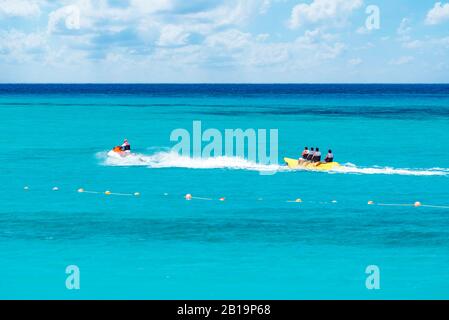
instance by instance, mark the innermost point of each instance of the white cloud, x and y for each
(363, 30)
(68, 16)
(306, 52)
(404, 27)
(432, 44)
(442, 42)
(262, 37)
(227, 13)
(355, 61)
(266, 4)
(402, 60)
(413, 44)
(146, 7)
(173, 35)
(321, 10)
(230, 39)
(19, 46)
(439, 13)
(19, 8)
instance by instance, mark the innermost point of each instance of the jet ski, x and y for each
(317, 166)
(118, 153)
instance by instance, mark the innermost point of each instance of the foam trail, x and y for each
(351, 168)
(165, 159)
(174, 160)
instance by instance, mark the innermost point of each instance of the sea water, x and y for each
(392, 141)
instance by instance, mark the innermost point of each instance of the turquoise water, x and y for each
(392, 141)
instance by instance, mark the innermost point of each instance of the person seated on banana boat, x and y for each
(316, 158)
(310, 154)
(329, 157)
(304, 155)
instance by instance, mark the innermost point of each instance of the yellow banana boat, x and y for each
(319, 166)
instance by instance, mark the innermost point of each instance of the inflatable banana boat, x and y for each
(318, 166)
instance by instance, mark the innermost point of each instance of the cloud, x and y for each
(173, 35)
(321, 10)
(237, 50)
(442, 42)
(355, 61)
(313, 48)
(404, 27)
(438, 14)
(230, 39)
(67, 17)
(167, 40)
(19, 8)
(363, 30)
(413, 44)
(20, 46)
(402, 60)
(263, 37)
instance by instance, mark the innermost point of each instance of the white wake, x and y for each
(165, 159)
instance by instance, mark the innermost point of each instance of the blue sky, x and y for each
(224, 41)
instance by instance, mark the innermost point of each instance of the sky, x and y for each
(224, 41)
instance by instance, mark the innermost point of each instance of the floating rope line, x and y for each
(295, 201)
(396, 205)
(109, 193)
(189, 197)
(416, 205)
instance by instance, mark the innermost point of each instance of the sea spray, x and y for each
(170, 159)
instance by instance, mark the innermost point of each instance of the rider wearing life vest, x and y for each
(329, 156)
(126, 147)
(310, 154)
(305, 153)
(316, 156)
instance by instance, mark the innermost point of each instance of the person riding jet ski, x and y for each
(126, 147)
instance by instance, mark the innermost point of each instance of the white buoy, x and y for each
(26, 188)
(55, 189)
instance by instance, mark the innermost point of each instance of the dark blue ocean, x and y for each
(391, 140)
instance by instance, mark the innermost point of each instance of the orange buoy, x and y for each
(188, 196)
(417, 204)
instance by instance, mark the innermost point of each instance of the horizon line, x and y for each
(225, 83)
